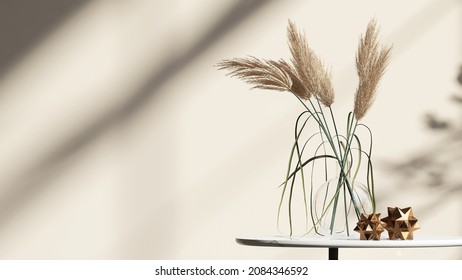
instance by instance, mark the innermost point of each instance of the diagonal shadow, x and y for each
(36, 177)
(24, 23)
(422, 21)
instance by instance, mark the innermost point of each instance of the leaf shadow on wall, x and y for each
(436, 169)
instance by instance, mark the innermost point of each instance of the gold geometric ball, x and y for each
(401, 223)
(370, 227)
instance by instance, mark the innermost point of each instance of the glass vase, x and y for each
(338, 204)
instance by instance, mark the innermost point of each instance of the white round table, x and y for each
(333, 244)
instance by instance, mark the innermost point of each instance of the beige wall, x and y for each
(121, 140)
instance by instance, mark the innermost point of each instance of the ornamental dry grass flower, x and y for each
(370, 65)
(263, 74)
(310, 69)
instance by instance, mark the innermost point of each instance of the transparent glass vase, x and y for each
(338, 205)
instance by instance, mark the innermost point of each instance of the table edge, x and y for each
(418, 242)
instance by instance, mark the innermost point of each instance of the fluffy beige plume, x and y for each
(298, 88)
(262, 74)
(309, 67)
(370, 65)
(265, 74)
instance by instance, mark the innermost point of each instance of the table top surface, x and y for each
(351, 242)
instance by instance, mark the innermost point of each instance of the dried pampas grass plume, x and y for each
(309, 67)
(370, 65)
(265, 74)
(297, 88)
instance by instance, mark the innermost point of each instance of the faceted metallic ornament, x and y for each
(370, 227)
(401, 223)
